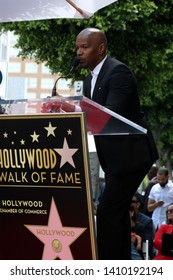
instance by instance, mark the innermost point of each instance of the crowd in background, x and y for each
(151, 216)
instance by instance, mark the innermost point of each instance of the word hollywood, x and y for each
(28, 158)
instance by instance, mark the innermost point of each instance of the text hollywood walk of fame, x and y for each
(27, 159)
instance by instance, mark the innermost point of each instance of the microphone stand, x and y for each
(54, 87)
(74, 65)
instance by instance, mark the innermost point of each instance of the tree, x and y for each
(139, 33)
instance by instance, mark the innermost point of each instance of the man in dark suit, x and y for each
(125, 159)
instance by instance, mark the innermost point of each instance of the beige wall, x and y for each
(38, 91)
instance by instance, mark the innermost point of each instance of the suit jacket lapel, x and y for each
(99, 78)
(87, 86)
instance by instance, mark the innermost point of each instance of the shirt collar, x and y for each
(168, 184)
(97, 69)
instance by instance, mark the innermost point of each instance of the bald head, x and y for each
(97, 35)
(91, 44)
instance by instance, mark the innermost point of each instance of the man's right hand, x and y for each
(160, 203)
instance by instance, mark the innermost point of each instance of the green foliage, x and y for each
(139, 33)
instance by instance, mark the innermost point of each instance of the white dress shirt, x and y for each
(95, 74)
(159, 193)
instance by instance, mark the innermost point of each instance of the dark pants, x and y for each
(113, 222)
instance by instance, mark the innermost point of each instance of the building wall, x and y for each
(35, 80)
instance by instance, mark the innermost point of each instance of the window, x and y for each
(32, 83)
(64, 84)
(47, 83)
(45, 69)
(14, 67)
(31, 67)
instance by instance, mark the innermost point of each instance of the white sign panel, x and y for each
(78, 87)
(21, 10)
(3, 78)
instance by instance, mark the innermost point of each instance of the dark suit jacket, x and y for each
(116, 89)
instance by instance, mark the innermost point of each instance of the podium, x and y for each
(46, 209)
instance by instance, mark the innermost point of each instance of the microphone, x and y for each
(75, 63)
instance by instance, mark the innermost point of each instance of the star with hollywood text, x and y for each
(66, 154)
(56, 237)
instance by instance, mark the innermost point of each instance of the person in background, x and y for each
(152, 176)
(125, 159)
(160, 196)
(152, 173)
(145, 221)
(164, 228)
(137, 234)
(136, 226)
(136, 247)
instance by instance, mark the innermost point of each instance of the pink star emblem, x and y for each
(56, 238)
(66, 154)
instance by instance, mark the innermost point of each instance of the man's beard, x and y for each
(163, 184)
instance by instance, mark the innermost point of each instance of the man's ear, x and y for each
(102, 49)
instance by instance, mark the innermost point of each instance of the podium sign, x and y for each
(45, 195)
(46, 201)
